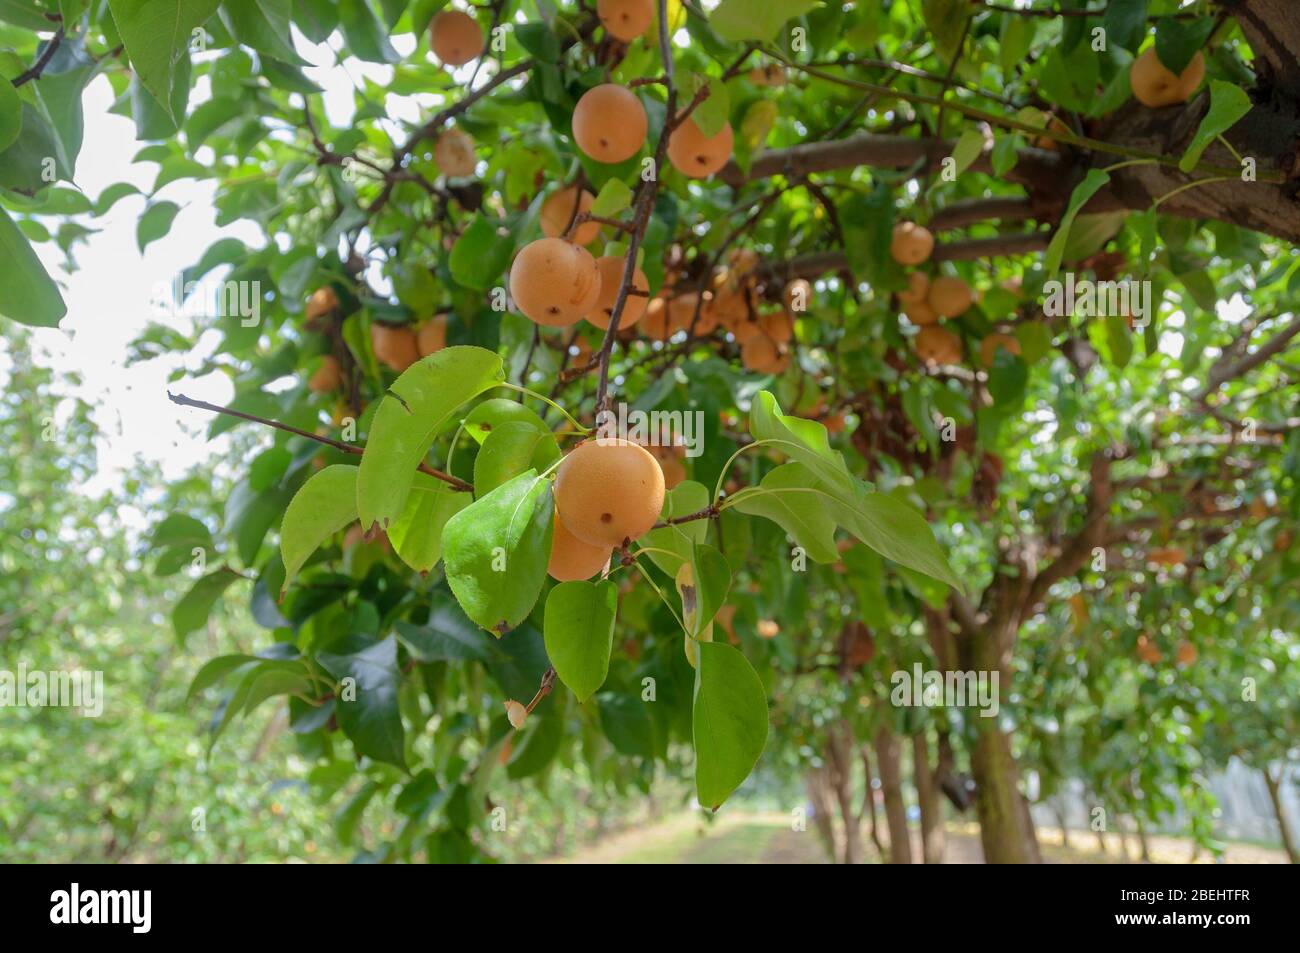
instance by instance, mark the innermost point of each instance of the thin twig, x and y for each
(26, 76)
(184, 401)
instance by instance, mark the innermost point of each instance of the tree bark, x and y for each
(900, 846)
(1062, 820)
(869, 800)
(927, 797)
(1275, 795)
(823, 818)
(839, 748)
(1143, 846)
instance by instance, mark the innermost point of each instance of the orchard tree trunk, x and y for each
(1143, 846)
(839, 752)
(1006, 829)
(887, 748)
(819, 794)
(927, 797)
(869, 800)
(1061, 819)
(1275, 795)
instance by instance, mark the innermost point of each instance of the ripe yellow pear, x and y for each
(694, 154)
(394, 346)
(625, 19)
(432, 336)
(455, 37)
(1155, 85)
(572, 559)
(937, 345)
(911, 244)
(558, 211)
(322, 302)
(454, 153)
(609, 123)
(327, 377)
(554, 282)
(611, 281)
(950, 297)
(990, 345)
(608, 491)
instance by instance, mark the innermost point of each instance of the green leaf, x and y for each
(539, 40)
(789, 496)
(27, 294)
(740, 20)
(480, 254)
(509, 450)
(947, 21)
(712, 113)
(1228, 104)
(263, 25)
(1125, 23)
(579, 633)
(729, 722)
(275, 681)
(191, 612)
(490, 414)
(36, 157)
(627, 724)
(447, 635)
(371, 718)
(1177, 41)
(712, 582)
(214, 670)
(1085, 190)
(416, 535)
(1005, 154)
(1015, 37)
(322, 506)
(366, 37)
(157, 33)
(410, 415)
(614, 196)
(155, 223)
(897, 532)
(967, 149)
(804, 440)
(679, 540)
(496, 551)
(11, 114)
(1089, 233)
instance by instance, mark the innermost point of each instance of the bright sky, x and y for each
(111, 296)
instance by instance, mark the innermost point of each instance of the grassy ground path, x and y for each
(751, 838)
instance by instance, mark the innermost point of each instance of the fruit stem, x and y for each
(546, 400)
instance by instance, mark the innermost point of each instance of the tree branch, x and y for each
(184, 401)
(37, 68)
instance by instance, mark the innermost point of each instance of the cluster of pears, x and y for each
(927, 302)
(395, 346)
(555, 281)
(764, 336)
(1149, 652)
(608, 491)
